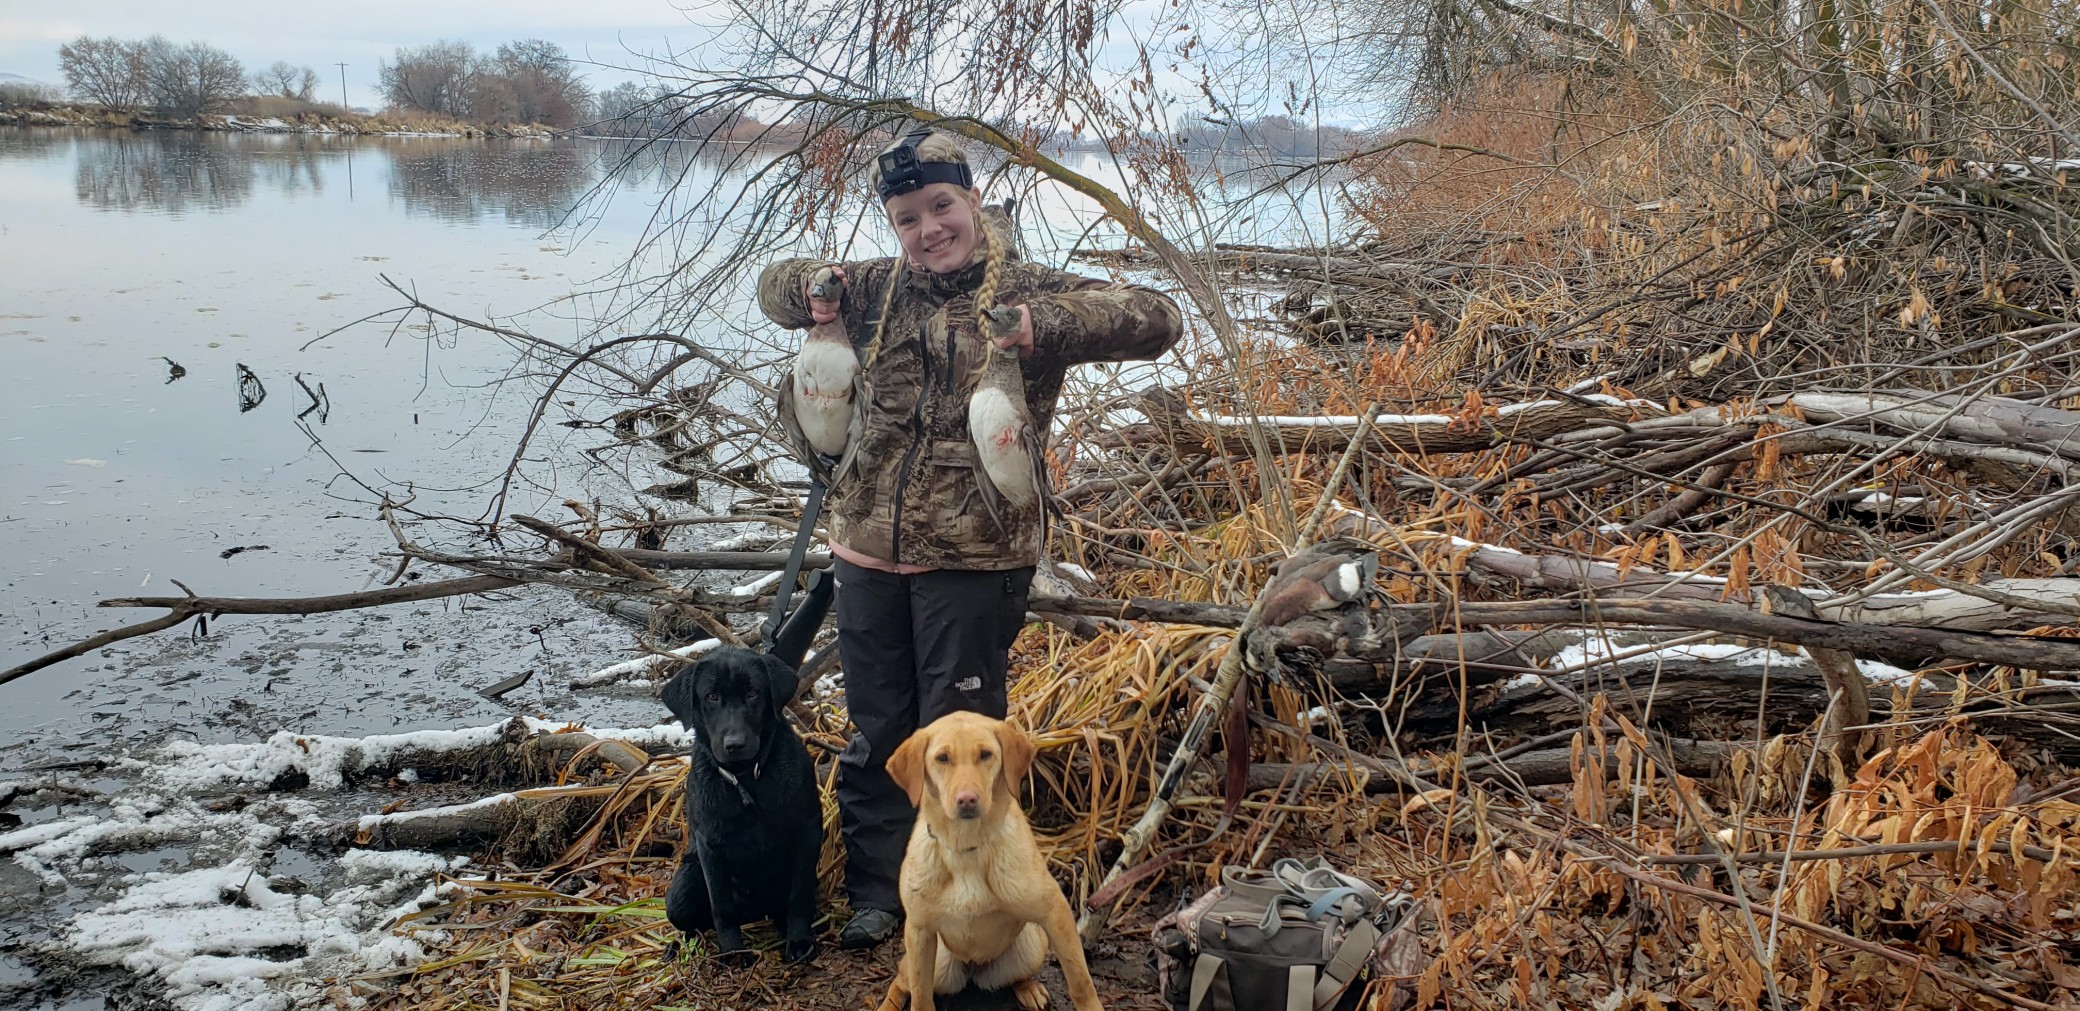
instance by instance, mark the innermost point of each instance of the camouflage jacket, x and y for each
(912, 498)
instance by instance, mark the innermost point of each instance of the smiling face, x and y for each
(938, 225)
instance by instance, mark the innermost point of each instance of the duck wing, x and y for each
(797, 440)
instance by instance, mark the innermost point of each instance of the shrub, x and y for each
(28, 95)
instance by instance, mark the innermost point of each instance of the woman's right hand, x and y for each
(824, 310)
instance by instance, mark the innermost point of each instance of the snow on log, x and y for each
(643, 666)
(1408, 434)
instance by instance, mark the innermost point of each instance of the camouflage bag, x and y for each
(1299, 937)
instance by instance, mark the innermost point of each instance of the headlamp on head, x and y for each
(902, 173)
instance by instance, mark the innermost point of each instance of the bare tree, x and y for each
(435, 78)
(281, 78)
(624, 108)
(107, 71)
(191, 80)
(532, 81)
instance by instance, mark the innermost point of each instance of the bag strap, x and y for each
(1300, 988)
(1206, 970)
(803, 534)
(1273, 921)
(1343, 967)
(1334, 899)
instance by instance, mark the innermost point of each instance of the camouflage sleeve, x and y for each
(781, 294)
(1096, 321)
(783, 297)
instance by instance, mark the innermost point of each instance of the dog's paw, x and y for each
(739, 958)
(730, 949)
(1031, 994)
(798, 952)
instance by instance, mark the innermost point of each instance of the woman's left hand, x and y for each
(1022, 341)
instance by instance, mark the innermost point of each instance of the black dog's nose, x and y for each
(734, 745)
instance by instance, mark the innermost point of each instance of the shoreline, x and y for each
(304, 123)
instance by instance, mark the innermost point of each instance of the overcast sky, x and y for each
(360, 33)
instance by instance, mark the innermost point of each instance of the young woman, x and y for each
(931, 585)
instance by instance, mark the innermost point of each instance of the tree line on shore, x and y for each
(530, 81)
(633, 109)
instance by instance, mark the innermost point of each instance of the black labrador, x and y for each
(753, 817)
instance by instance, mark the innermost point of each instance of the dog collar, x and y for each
(742, 794)
(935, 838)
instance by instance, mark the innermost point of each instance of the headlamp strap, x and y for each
(902, 172)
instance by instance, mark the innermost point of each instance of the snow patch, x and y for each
(1313, 421)
(195, 931)
(184, 766)
(1596, 651)
(45, 850)
(744, 541)
(757, 586)
(371, 822)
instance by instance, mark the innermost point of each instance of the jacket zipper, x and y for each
(895, 543)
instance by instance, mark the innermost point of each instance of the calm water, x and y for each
(121, 254)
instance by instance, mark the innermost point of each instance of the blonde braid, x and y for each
(888, 300)
(986, 294)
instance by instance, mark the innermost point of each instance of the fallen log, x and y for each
(749, 561)
(1979, 418)
(1703, 698)
(643, 667)
(1326, 267)
(1405, 434)
(1906, 645)
(181, 609)
(318, 605)
(1544, 767)
(531, 824)
(1567, 574)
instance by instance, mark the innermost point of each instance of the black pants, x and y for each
(914, 648)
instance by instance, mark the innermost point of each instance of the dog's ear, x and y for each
(781, 682)
(1018, 752)
(906, 767)
(682, 694)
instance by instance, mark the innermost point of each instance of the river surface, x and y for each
(152, 286)
(139, 273)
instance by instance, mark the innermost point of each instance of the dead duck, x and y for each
(1315, 605)
(1012, 457)
(822, 400)
(1321, 577)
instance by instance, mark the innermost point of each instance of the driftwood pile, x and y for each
(1752, 605)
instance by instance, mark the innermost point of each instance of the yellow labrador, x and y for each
(978, 902)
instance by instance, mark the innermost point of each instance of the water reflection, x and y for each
(525, 182)
(178, 172)
(169, 172)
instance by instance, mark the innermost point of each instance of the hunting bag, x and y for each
(1299, 937)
